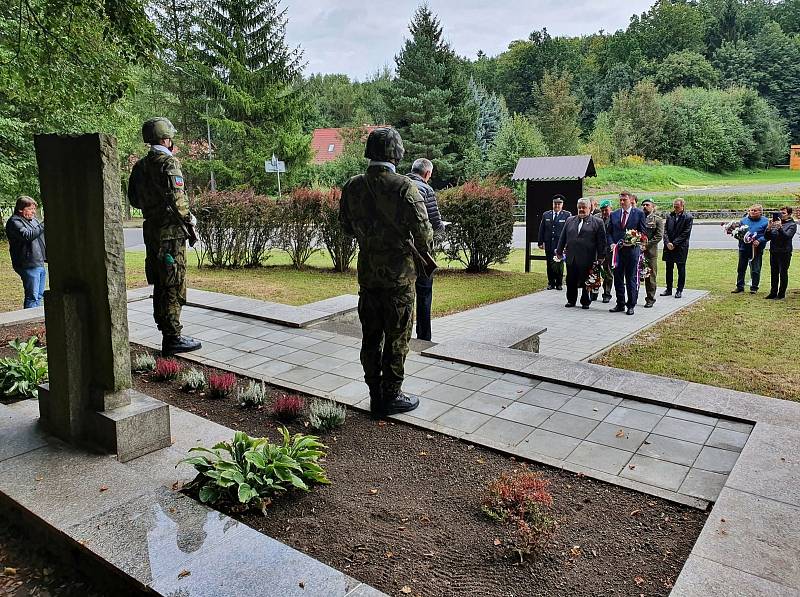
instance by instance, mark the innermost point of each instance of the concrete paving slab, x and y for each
(570, 425)
(655, 472)
(671, 449)
(430, 409)
(452, 395)
(525, 414)
(462, 419)
(487, 404)
(727, 439)
(633, 419)
(598, 457)
(617, 437)
(555, 445)
(591, 409)
(680, 429)
(716, 460)
(700, 576)
(544, 398)
(703, 484)
(507, 432)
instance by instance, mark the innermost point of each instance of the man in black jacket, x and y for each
(779, 233)
(421, 171)
(677, 230)
(28, 252)
(549, 232)
(584, 240)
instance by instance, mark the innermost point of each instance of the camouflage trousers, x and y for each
(165, 267)
(651, 282)
(386, 316)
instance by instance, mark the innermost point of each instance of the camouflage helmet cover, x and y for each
(384, 144)
(158, 128)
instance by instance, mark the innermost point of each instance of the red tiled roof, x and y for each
(327, 144)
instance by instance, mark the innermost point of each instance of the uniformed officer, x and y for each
(157, 188)
(385, 213)
(655, 232)
(549, 232)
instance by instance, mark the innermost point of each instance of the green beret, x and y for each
(605, 203)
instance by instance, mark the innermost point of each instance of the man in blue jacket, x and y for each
(626, 272)
(750, 252)
(549, 232)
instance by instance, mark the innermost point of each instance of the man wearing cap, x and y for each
(626, 274)
(550, 229)
(156, 187)
(608, 275)
(384, 211)
(655, 232)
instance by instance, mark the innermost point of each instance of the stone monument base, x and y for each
(129, 431)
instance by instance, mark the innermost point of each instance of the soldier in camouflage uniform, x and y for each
(655, 232)
(385, 211)
(157, 188)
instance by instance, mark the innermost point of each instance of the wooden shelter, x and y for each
(545, 178)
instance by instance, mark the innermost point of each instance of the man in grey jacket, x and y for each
(421, 171)
(28, 251)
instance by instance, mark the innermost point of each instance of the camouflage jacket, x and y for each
(156, 182)
(383, 210)
(655, 231)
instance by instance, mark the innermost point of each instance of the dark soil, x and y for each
(403, 514)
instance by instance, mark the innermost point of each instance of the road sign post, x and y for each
(277, 166)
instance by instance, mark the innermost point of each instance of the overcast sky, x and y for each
(359, 37)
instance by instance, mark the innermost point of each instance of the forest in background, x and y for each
(709, 84)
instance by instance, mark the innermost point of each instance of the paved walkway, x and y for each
(575, 334)
(664, 451)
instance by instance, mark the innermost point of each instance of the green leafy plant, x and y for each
(192, 380)
(253, 395)
(21, 375)
(248, 470)
(341, 247)
(522, 501)
(143, 362)
(325, 415)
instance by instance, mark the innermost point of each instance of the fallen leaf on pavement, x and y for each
(103, 488)
(621, 433)
(183, 573)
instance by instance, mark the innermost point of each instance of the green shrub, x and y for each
(143, 362)
(342, 247)
(253, 395)
(192, 380)
(21, 375)
(482, 224)
(298, 217)
(249, 470)
(325, 415)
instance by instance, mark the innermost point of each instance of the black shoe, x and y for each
(606, 299)
(780, 297)
(171, 345)
(771, 296)
(737, 290)
(570, 305)
(617, 309)
(550, 287)
(559, 287)
(629, 311)
(401, 403)
(678, 294)
(648, 305)
(584, 306)
(753, 290)
(668, 292)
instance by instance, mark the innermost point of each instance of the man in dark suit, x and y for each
(626, 272)
(584, 240)
(549, 232)
(677, 230)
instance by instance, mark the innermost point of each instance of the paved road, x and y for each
(745, 189)
(704, 236)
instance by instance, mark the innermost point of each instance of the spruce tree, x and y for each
(492, 112)
(557, 112)
(430, 103)
(253, 81)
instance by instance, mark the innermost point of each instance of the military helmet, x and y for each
(158, 128)
(384, 144)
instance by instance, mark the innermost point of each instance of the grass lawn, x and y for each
(666, 178)
(736, 341)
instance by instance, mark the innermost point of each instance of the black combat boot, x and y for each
(171, 345)
(400, 403)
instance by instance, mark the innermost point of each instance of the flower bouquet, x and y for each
(594, 279)
(633, 238)
(644, 269)
(737, 230)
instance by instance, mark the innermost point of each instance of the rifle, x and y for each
(188, 229)
(423, 261)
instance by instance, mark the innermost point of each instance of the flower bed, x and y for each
(404, 512)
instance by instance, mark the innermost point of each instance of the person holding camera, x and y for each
(779, 233)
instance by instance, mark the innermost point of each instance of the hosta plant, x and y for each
(253, 395)
(248, 470)
(192, 380)
(325, 415)
(142, 362)
(21, 375)
(166, 369)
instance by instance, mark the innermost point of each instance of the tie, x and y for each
(580, 225)
(624, 219)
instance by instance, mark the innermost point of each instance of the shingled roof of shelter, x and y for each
(565, 167)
